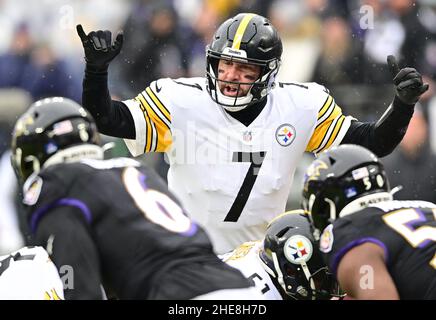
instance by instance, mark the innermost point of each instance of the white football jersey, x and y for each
(29, 274)
(233, 179)
(246, 259)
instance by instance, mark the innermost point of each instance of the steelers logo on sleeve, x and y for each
(285, 134)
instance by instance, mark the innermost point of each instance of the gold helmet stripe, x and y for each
(240, 31)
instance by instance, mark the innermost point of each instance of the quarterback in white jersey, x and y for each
(286, 264)
(235, 137)
(29, 274)
(217, 163)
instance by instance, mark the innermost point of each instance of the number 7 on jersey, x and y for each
(256, 160)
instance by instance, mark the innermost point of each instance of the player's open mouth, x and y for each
(230, 91)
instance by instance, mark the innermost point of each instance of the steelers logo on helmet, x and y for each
(285, 134)
(298, 249)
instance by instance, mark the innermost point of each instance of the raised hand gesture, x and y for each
(408, 82)
(99, 50)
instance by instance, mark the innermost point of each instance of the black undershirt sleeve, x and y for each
(72, 246)
(113, 117)
(383, 136)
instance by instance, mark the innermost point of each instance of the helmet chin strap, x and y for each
(308, 276)
(279, 275)
(279, 272)
(229, 101)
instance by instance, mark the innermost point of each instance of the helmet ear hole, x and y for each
(29, 165)
(320, 213)
(282, 232)
(271, 242)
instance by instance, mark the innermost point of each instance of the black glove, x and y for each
(99, 50)
(407, 81)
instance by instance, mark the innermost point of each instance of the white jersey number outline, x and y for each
(156, 206)
(402, 222)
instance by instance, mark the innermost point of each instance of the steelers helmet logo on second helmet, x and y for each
(298, 249)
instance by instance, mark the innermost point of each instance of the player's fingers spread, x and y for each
(403, 72)
(119, 40)
(81, 33)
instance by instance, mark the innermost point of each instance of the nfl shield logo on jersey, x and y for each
(247, 136)
(285, 134)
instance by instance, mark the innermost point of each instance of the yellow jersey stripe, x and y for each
(326, 127)
(157, 119)
(240, 31)
(156, 110)
(158, 103)
(55, 295)
(144, 113)
(325, 107)
(334, 133)
(154, 134)
(322, 129)
(161, 131)
(331, 110)
(149, 131)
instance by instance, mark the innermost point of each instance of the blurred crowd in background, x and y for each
(342, 44)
